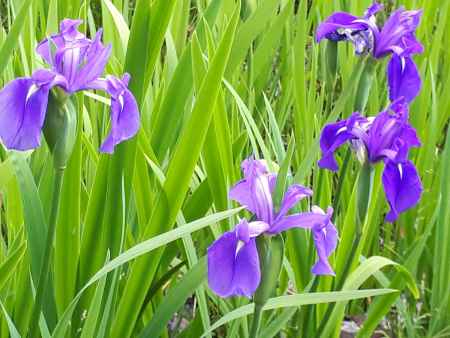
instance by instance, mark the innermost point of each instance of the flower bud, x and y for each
(60, 127)
(271, 251)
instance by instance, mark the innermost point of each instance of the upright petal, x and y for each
(390, 135)
(23, 103)
(233, 266)
(67, 32)
(293, 195)
(402, 187)
(397, 35)
(403, 78)
(124, 111)
(254, 191)
(373, 9)
(241, 193)
(94, 63)
(77, 58)
(69, 29)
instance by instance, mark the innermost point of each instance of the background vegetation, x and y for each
(217, 82)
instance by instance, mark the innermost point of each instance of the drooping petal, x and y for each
(402, 187)
(293, 195)
(124, 111)
(325, 240)
(233, 266)
(397, 35)
(23, 103)
(403, 78)
(329, 28)
(247, 275)
(221, 264)
(333, 136)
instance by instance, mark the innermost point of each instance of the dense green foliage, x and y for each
(216, 82)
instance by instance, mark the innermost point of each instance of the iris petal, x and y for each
(403, 78)
(23, 103)
(397, 35)
(293, 195)
(402, 187)
(124, 114)
(233, 271)
(333, 136)
(340, 20)
(255, 190)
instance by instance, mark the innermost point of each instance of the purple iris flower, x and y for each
(386, 137)
(233, 262)
(76, 63)
(396, 38)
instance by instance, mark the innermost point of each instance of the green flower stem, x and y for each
(60, 133)
(332, 64)
(341, 180)
(365, 84)
(270, 251)
(364, 191)
(257, 314)
(45, 268)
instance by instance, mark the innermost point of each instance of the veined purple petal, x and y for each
(402, 187)
(241, 193)
(75, 57)
(397, 35)
(233, 266)
(124, 112)
(251, 165)
(68, 32)
(403, 78)
(293, 195)
(23, 104)
(69, 29)
(254, 191)
(391, 135)
(96, 58)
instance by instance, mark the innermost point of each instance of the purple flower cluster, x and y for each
(233, 261)
(396, 38)
(388, 136)
(76, 63)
